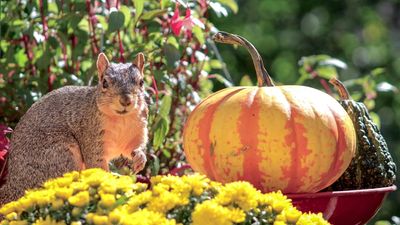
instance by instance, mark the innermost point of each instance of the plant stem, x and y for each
(343, 93)
(263, 78)
(44, 22)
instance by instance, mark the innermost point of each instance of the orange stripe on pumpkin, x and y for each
(204, 134)
(299, 151)
(341, 147)
(248, 127)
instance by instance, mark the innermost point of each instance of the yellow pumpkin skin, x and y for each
(291, 138)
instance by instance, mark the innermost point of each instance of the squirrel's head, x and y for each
(120, 87)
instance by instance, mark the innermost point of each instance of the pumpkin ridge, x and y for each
(293, 138)
(248, 125)
(341, 146)
(188, 124)
(205, 124)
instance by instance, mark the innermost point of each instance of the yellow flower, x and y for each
(48, 221)
(81, 199)
(108, 186)
(12, 216)
(8, 208)
(137, 200)
(107, 200)
(76, 211)
(241, 193)
(197, 182)
(309, 218)
(76, 223)
(115, 216)
(279, 223)
(292, 214)
(63, 193)
(146, 217)
(209, 211)
(164, 202)
(57, 203)
(100, 220)
(19, 223)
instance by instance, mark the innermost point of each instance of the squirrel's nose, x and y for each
(125, 100)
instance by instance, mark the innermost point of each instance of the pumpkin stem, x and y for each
(343, 93)
(263, 78)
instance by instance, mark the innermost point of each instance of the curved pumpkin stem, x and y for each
(263, 78)
(343, 93)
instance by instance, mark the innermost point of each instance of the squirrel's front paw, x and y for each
(139, 160)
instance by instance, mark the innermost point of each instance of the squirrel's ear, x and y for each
(139, 62)
(102, 65)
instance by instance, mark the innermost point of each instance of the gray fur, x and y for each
(67, 116)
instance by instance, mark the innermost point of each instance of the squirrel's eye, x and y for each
(105, 84)
(141, 82)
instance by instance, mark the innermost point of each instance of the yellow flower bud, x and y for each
(81, 199)
(114, 217)
(76, 223)
(18, 223)
(100, 220)
(76, 211)
(63, 193)
(57, 203)
(107, 200)
(12, 216)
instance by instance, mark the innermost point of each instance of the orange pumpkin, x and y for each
(291, 138)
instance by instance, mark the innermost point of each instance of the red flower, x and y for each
(4, 146)
(187, 23)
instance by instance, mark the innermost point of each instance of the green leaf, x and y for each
(155, 166)
(215, 64)
(116, 21)
(44, 61)
(375, 118)
(231, 4)
(127, 14)
(223, 80)
(139, 9)
(165, 3)
(172, 55)
(21, 58)
(153, 13)
(165, 106)
(172, 41)
(161, 130)
(198, 33)
(326, 72)
(246, 81)
(103, 22)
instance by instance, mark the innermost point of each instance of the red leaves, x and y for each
(4, 146)
(187, 23)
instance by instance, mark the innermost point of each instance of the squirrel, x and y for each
(79, 127)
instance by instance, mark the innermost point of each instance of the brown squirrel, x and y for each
(73, 128)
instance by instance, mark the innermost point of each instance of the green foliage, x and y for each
(48, 44)
(359, 33)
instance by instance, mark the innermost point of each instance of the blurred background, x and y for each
(363, 34)
(48, 44)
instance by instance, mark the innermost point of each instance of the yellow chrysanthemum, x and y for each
(146, 217)
(309, 218)
(18, 223)
(63, 193)
(164, 201)
(81, 199)
(137, 200)
(209, 211)
(48, 221)
(241, 193)
(107, 200)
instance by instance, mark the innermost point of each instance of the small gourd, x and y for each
(372, 165)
